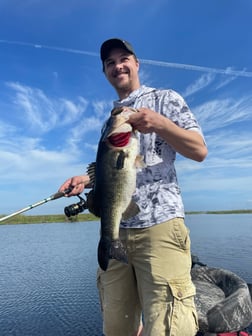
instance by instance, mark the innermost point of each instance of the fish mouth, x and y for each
(119, 139)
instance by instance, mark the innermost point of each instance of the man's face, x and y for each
(121, 69)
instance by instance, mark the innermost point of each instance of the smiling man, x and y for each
(153, 294)
(121, 68)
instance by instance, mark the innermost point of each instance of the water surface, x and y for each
(47, 282)
(48, 271)
(223, 241)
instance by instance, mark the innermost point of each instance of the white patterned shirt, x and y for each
(157, 194)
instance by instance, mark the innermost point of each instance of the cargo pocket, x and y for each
(158, 312)
(184, 321)
(181, 233)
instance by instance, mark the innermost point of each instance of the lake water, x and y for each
(48, 271)
(223, 241)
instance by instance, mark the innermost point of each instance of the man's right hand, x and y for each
(77, 183)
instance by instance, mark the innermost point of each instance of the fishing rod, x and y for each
(55, 196)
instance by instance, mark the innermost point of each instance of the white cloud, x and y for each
(28, 160)
(218, 113)
(199, 84)
(5, 129)
(225, 81)
(43, 113)
(102, 108)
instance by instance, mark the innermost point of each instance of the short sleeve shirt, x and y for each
(157, 193)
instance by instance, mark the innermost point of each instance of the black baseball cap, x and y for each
(114, 43)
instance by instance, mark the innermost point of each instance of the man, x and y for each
(156, 285)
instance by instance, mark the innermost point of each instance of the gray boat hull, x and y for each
(223, 300)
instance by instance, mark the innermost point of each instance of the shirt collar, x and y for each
(133, 96)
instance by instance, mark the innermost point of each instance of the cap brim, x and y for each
(108, 45)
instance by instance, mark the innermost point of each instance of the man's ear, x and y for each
(138, 64)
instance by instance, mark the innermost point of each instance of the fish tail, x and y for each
(110, 250)
(103, 253)
(117, 251)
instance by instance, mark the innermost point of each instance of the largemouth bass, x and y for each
(114, 179)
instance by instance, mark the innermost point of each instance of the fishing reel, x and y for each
(75, 209)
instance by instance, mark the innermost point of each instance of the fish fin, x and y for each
(131, 211)
(91, 172)
(110, 250)
(139, 162)
(103, 253)
(93, 204)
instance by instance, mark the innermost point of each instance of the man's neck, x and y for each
(124, 93)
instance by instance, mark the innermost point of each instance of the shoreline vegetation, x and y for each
(34, 219)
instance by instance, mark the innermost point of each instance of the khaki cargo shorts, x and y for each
(154, 288)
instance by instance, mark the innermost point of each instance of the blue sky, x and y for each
(54, 96)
